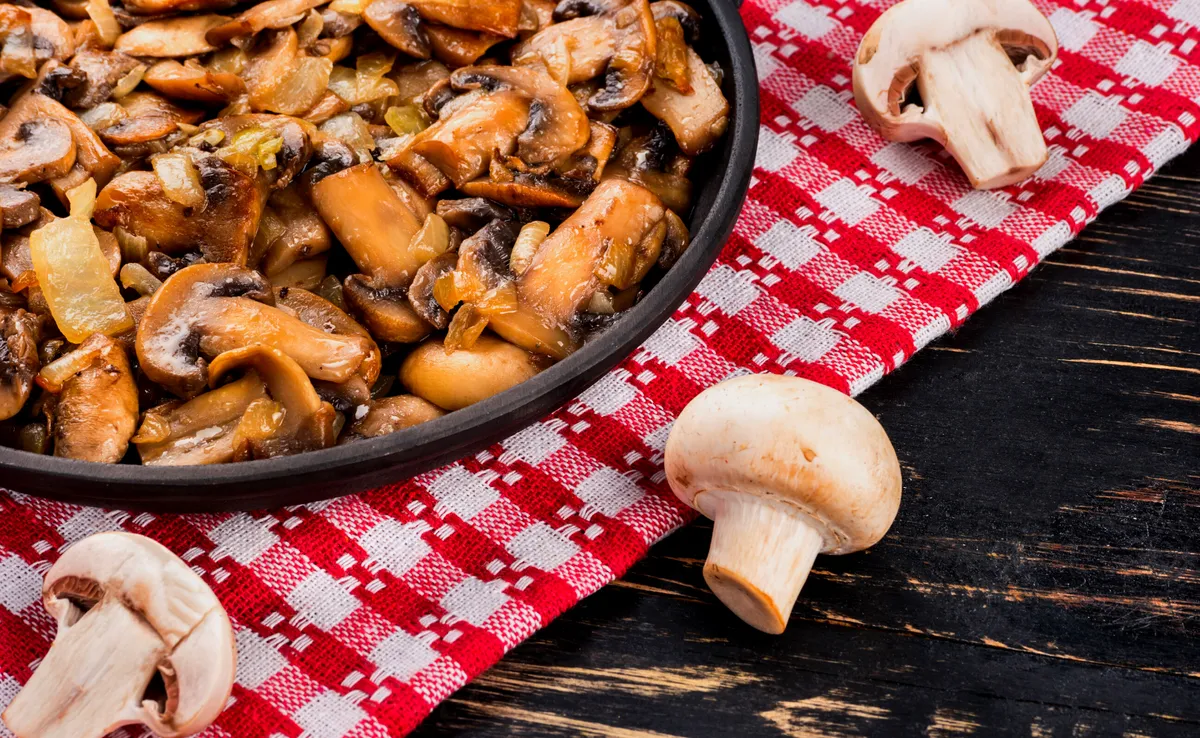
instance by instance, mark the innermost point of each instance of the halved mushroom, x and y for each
(453, 380)
(269, 14)
(37, 150)
(320, 313)
(18, 359)
(399, 24)
(18, 207)
(371, 222)
(201, 430)
(457, 47)
(297, 420)
(172, 37)
(557, 127)
(148, 117)
(102, 72)
(384, 310)
(613, 36)
(96, 412)
(390, 414)
(500, 17)
(698, 118)
(31, 36)
(222, 229)
(462, 145)
(190, 81)
(290, 230)
(207, 309)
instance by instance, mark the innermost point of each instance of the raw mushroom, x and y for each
(207, 309)
(972, 67)
(786, 469)
(126, 609)
(96, 412)
(453, 380)
(18, 359)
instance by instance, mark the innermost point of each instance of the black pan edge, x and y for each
(389, 459)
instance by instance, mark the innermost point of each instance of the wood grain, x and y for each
(1042, 578)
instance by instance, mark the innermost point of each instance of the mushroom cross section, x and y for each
(206, 309)
(972, 62)
(127, 608)
(786, 469)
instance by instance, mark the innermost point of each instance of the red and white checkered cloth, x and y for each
(355, 617)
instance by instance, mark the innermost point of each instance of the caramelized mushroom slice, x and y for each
(290, 230)
(385, 311)
(399, 24)
(223, 228)
(18, 359)
(37, 150)
(18, 207)
(269, 14)
(457, 47)
(207, 309)
(500, 17)
(371, 222)
(31, 36)
(149, 117)
(97, 408)
(390, 414)
(320, 313)
(193, 82)
(163, 7)
(307, 422)
(652, 159)
(201, 430)
(697, 119)
(453, 380)
(461, 145)
(420, 292)
(557, 125)
(172, 38)
(102, 71)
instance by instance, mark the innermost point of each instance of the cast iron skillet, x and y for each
(721, 179)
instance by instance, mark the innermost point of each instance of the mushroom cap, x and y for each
(173, 600)
(886, 62)
(793, 441)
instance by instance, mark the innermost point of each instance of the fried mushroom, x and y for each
(96, 411)
(453, 380)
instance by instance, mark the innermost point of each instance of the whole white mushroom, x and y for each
(786, 469)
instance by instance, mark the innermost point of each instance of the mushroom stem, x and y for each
(760, 556)
(91, 682)
(985, 110)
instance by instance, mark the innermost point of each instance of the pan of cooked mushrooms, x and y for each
(258, 254)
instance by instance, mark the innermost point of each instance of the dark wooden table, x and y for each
(1042, 578)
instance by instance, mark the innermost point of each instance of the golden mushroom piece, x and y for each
(786, 469)
(453, 380)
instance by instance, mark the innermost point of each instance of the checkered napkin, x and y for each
(355, 617)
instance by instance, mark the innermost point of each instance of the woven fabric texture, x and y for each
(355, 617)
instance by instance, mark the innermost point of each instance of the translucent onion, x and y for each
(528, 241)
(251, 148)
(465, 328)
(500, 300)
(300, 89)
(74, 275)
(352, 130)
(54, 375)
(231, 60)
(139, 279)
(179, 178)
(432, 240)
(104, 115)
(405, 119)
(107, 27)
(353, 7)
(129, 82)
(133, 248)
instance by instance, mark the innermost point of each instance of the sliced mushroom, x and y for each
(399, 24)
(18, 207)
(697, 119)
(18, 359)
(290, 230)
(193, 82)
(280, 78)
(457, 47)
(269, 14)
(453, 380)
(38, 150)
(385, 311)
(320, 313)
(201, 430)
(462, 145)
(500, 17)
(97, 409)
(307, 421)
(526, 190)
(420, 292)
(652, 159)
(390, 414)
(207, 309)
(31, 36)
(306, 274)
(102, 71)
(371, 222)
(271, 148)
(557, 125)
(148, 117)
(173, 37)
(222, 229)
(472, 213)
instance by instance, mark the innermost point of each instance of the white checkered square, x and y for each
(535, 444)
(22, 584)
(774, 150)
(791, 244)
(928, 250)
(1095, 114)
(809, 21)
(396, 546)
(474, 600)
(987, 208)
(867, 292)
(729, 289)
(242, 538)
(806, 339)
(608, 491)
(610, 394)
(329, 715)
(672, 342)
(402, 655)
(1148, 64)
(257, 659)
(904, 161)
(825, 108)
(1073, 29)
(848, 202)
(462, 493)
(322, 600)
(541, 546)
(1187, 11)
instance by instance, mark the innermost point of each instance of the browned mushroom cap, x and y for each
(173, 37)
(201, 430)
(193, 82)
(37, 150)
(390, 414)
(290, 231)
(163, 7)
(148, 117)
(207, 309)
(32, 36)
(500, 17)
(457, 47)
(684, 14)
(18, 359)
(18, 207)
(223, 228)
(557, 125)
(453, 380)
(472, 213)
(420, 292)
(307, 422)
(270, 14)
(461, 145)
(320, 313)
(399, 24)
(697, 119)
(101, 72)
(371, 222)
(572, 51)
(385, 311)
(651, 159)
(97, 408)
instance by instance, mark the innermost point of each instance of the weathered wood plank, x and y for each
(1043, 577)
